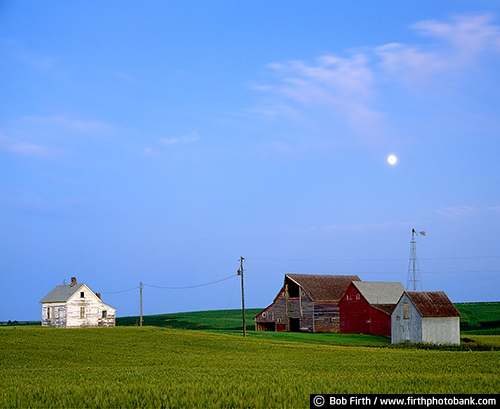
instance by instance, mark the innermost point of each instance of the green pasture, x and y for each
(479, 317)
(165, 367)
(204, 320)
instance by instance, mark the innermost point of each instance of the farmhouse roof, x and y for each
(61, 293)
(323, 287)
(432, 304)
(380, 292)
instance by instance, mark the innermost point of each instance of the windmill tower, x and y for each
(414, 282)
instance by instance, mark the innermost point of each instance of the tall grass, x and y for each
(155, 367)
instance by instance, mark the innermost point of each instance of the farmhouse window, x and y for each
(357, 297)
(48, 313)
(104, 314)
(348, 298)
(82, 295)
(82, 312)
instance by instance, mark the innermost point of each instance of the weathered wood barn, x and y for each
(425, 317)
(366, 307)
(306, 302)
(76, 305)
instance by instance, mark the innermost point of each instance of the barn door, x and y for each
(294, 325)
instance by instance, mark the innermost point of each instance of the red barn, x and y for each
(366, 307)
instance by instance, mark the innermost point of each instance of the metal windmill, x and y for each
(414, 282)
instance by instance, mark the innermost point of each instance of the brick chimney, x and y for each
(98, 295)
(73, 281)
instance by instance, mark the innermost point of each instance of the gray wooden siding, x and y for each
(418, 329)
(406, 330)
(312, 316)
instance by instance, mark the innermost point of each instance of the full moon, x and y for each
(392, 159)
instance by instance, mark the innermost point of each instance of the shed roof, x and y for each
(323, 287)
(433, 304)
(61, 293)
(380, 292)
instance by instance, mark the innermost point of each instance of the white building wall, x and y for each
(441, 330)
(54, 315)
(92, 314)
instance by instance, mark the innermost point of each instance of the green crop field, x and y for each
(164, 367)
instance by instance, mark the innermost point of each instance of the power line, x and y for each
(189, 286)
(168, 288)
(371, 259)
(121, 291)
(369, 272)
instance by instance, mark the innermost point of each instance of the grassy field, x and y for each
(479, 317)
(205, 320)
(161, 367)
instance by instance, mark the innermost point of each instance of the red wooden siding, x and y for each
(380, 322)
(357, 316)
(354, 312)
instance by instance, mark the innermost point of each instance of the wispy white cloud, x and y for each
(362, 226)
(350, 88)
(343, 84)
(495, 209)
(23, 148)
(455, 45)
(88, 128)
(26, 56)
(170, 142)
(30, 204)
(470, 35)
(189, 138)
(458, 211)
(49, 136)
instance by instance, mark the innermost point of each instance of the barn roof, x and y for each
(61, 293)
(323, 287)
(380, 292)
(386, 308)
(432, 304)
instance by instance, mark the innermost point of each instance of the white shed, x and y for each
(425, 317)
(76, 305)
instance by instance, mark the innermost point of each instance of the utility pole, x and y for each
(240, 273)
(140, 301)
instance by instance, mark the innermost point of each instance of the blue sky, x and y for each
(159, 141)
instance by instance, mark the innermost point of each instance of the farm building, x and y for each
(425, 317)
(306, 302)
(76, 305)
(366, 307)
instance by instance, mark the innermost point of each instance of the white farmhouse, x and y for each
(425, 317)
(76, 305)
